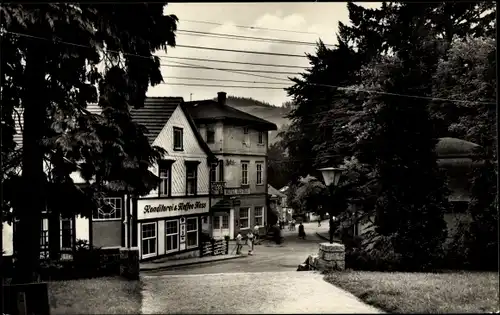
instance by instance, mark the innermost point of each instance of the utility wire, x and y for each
(235, 62)
(217, 80)
(241, 51)
(230, 86)
(238, 70)
(274, 78)
(251, 38)
(251, 27)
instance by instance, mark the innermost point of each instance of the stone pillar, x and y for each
(129, 263)
(331, 257)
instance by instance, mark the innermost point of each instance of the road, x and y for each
(266, 282)
(287, 257)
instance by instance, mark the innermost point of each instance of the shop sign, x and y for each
(158, 208)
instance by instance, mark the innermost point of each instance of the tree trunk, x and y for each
(33, 201)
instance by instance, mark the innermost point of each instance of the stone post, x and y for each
(331, 257)
(129, 263)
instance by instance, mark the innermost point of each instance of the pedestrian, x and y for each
(250, 243)
(302, 233)
(319, 222)
(293, 224)
(256, 234)
(239, 243)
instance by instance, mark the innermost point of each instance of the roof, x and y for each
(454, 147)
(157, 111)
(210, 110)
(274, 192)
(155, 114)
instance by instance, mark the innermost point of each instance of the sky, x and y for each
(318, 20)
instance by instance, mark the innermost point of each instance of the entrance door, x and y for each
(221, 226)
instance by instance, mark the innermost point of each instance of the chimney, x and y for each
(221, 98)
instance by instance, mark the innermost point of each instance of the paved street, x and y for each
(264, 283)
(266, 258)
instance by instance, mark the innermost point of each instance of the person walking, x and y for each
(250, 243)
(302, 233)
(256, 234)
(239, 243)
(319, 221)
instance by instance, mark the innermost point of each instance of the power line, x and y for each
(217, 80)
(274, 78)
(238, 70)
(241, 51)
(230, 86)
(236, 62)
(251, 38)
(251, 27)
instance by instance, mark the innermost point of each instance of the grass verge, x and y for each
(401, 292)
(95, 296)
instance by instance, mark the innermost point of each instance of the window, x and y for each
(111, 209)
(192, 232)
(164, 169)
(259, 174)
(259, 216)
(178, 144)
(191, 181)
(244, 173)
(148, 239)
(245, 130)
(210, 135)
(213, 172)
(66, 234)
(221, 170)
(44, 239)
(244, 218)
(261, 137)
(171, 236)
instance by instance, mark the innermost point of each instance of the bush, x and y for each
(371, 255)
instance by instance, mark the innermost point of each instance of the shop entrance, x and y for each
(221, 225)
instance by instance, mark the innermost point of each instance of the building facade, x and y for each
(239, 180)
(167, 222)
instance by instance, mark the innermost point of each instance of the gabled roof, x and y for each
(210, 110)
(157, 111)
(155, 114)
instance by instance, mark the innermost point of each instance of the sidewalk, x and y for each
(158, 265)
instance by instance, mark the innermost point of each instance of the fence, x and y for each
(214, 248)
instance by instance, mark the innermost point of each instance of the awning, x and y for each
(222, 205)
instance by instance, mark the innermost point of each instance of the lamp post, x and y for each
(331, 176)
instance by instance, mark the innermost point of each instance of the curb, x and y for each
(191, 263)
(322, 237)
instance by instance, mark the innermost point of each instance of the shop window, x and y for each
(111, 209)
(259, 174)
(44, 239)
(192, 232)
(259, 216)
(66, 234)
(171, 236)
(244, 173)
(148, 239)
(178, 141)
(164, 168)
(191, 178)
(244, 218)
(210, 135)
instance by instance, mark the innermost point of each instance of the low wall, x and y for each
(329, 257)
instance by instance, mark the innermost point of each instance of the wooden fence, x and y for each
(214, 248)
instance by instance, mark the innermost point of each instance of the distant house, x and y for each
(239, 180)
(456, 158)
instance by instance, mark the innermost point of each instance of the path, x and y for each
(243, 293)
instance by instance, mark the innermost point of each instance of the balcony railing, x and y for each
(237, 191)
(217, 188)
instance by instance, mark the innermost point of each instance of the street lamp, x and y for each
(331, 176)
